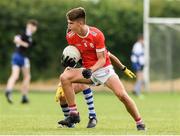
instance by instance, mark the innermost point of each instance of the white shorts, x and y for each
(101, 75)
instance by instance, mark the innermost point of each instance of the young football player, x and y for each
(88, 94)
(97, 67)
(20, 61)
(137, 59)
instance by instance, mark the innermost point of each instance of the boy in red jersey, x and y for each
(87, 91)
(97, 67)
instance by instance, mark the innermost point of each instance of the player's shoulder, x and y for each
(70, 34)
(95, 31)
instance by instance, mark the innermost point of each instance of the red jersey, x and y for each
(88, 45)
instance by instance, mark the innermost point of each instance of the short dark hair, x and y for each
(33, 22)
(76, 13)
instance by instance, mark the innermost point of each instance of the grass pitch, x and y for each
(160, 111)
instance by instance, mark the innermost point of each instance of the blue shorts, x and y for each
(137, 67)
(20, 60)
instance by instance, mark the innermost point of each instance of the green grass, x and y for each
(160, 111)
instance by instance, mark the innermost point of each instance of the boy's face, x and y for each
(32, 28)
(141, 40)
(73, 25)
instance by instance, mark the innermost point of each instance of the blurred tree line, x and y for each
(120, 20)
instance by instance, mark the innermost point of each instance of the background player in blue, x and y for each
(20, 61)
(137, 59)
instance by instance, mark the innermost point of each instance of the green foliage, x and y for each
(165, 8)
(120, 20)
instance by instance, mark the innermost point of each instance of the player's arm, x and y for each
(117, 63)
(101, 61)
(100, 52)
(19, 41)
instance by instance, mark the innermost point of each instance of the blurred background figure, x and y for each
(137, 59)
(20, 61)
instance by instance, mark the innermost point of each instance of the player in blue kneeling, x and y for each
(20, 61)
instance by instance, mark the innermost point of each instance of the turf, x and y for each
(160, 111)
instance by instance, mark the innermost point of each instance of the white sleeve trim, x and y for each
(100, 50)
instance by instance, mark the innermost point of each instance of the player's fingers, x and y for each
(132, 75)
(129, 74)
(71, 62)
(65, 61)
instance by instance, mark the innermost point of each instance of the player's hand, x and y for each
(128, 72)
(59, 93)
(68, 62)
(87, 73)
(80, 62)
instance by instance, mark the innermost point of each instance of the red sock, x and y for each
(73, 109)
(139, 121)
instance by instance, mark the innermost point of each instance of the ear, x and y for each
(80, 21)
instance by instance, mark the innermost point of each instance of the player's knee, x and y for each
(64, 77)
(27, 77)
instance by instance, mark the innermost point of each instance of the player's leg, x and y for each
(139, 82)
(62, 99)
(139, 78)
(115, 84)
(11, 82)
(88, 95)
(26, 81)
(89, 100)
(67, 78)
(63, 103)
